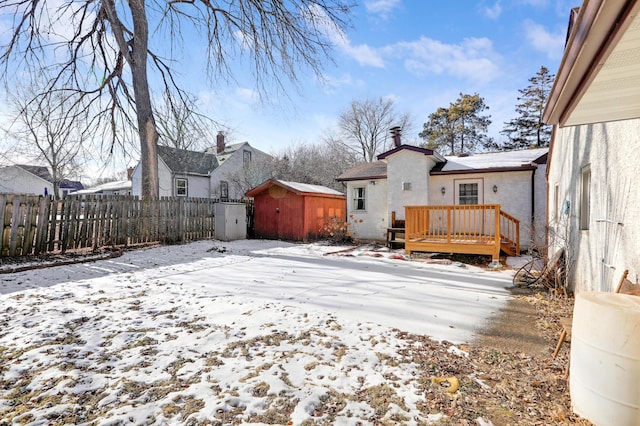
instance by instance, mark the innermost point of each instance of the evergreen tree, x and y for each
(528, 129)
(459, 128)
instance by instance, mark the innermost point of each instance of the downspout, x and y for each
(533, 206)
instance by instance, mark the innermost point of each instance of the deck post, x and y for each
(448, 224)
(496, 253)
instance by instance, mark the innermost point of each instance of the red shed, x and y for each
(294, 211)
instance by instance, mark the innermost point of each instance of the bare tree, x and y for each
(100, 49)
(50, 131)
(181, 126)
(364, 126)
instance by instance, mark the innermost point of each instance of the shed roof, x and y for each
(363, 171)
(296, 187)
(185, 161)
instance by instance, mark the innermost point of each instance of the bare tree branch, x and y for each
(99, 51)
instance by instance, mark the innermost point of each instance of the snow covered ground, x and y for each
(244, 332)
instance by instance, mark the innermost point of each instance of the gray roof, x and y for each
(40, 171)
(185, 161)
(362, 171)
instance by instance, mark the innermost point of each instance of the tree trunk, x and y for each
(146, 124)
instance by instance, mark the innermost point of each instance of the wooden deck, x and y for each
(470, 229)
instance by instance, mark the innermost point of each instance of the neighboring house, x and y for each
(67, 186)
(120, 187)
(233, 162)
(594, 105)
(412, 176)
(293, 210)
(24, 179)
(208, 174)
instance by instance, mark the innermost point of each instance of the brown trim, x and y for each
(597, 28)
(611, 39)
(361, 178)
(424, 151)
(489, 170)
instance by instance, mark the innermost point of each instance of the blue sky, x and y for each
(420, 53)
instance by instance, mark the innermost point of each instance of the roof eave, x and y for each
(523, 168)
(594, 32)
(339, 179)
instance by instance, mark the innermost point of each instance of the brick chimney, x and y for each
(220, 143)
(395, 135)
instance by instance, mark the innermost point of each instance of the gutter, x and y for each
(596, 29)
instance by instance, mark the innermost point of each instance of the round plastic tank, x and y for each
(605, 358)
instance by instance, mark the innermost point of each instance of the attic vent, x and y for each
(406, 186)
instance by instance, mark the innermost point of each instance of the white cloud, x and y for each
(535, 3)
(549, 43)
(493, 12)
(363, 54)
(381, 7)
(473, 58)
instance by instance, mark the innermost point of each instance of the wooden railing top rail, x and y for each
(508, 216)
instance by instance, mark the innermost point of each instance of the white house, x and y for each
(119, 187)
(208, 174)
(412, 176)
(23, 179)
(594, 105)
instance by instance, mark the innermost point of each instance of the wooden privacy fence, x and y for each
(472, 229)
(34, 224)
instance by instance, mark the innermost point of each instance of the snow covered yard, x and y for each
(243, 332)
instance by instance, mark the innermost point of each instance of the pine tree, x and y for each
(527, 129)
(459, 128)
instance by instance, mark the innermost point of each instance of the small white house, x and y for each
(205, 174)
(594, 105)
(413, 176)
(24, 179)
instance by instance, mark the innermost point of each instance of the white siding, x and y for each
(15, 180)
(598, 256)
(412, 168)
(513, 194)
(233, 168)
(372, 223)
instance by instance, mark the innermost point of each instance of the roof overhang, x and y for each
(522, 168)
(599, 76)
(429, 152)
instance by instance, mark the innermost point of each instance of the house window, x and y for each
(358, 198)
(585, 197)
(224, 190)
(468, 193)
(181, 187)
(246, 158)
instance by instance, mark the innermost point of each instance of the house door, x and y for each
(470, 221)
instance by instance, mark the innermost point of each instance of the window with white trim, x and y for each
(359, 198)
(224, 190)
(468, 193)
(182, 187)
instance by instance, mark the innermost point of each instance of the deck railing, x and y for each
(473, 228)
